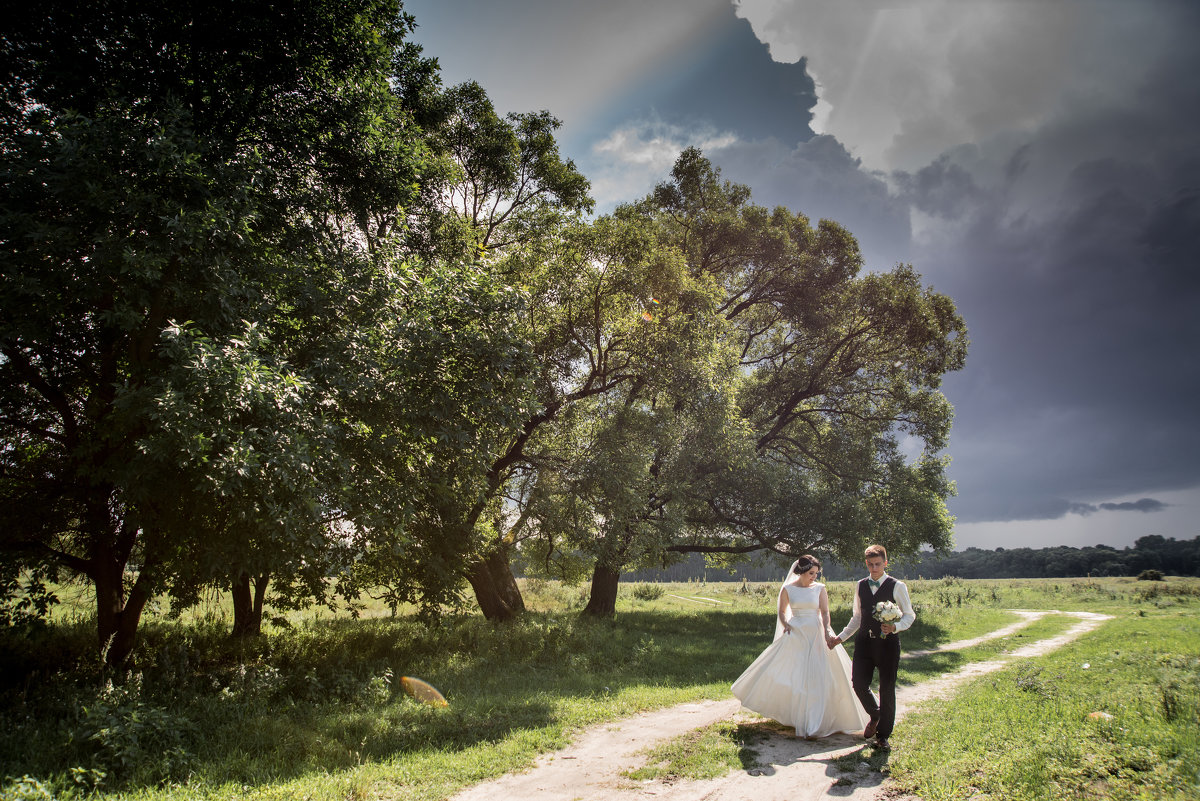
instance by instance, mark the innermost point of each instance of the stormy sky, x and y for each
(1037, 161)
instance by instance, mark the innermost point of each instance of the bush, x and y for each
(26, 789)
(125, 736)
(1150, 575)
(648, 592)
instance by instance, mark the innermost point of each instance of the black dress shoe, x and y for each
(882, 744)
(869, 731)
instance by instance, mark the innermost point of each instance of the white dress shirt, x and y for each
(899, 592)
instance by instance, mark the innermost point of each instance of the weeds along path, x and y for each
(591, 768)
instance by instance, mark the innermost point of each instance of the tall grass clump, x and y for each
(648, 592)
(318, 709)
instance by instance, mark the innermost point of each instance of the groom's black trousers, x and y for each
(882, 654)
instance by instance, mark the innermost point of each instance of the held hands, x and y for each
(831, 641)
(888, 628)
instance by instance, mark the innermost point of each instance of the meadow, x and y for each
(315, 708)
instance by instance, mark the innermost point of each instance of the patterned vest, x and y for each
(867, 603)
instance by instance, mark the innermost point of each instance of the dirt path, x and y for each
(788, 768)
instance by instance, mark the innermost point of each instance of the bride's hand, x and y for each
(787, 629)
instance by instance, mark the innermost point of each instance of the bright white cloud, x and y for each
(902, 81)
(657, 145)
(632, 159)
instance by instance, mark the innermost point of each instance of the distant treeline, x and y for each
(1166, 554)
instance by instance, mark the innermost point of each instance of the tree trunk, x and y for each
(495, 586)
(602, 602)
(247, 608)
(493, 606)
(260, 593)
(117, 617)
(500, 568)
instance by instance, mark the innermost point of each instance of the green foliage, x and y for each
(281, 306)
(1166, 555)
(1150, 575)
(27, 788)
(227, 348)
(953, 592)
(734, 386)
(123, 738)
(25, 598)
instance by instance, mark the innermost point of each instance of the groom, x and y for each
(872, 650)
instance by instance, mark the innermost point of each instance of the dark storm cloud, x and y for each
(1172, 232)
(1084, 321)
(1144, 505)
(943, 188)
(821, 179)
(722, 93)
(1140, 505)
(733, 86)
(1071, 252)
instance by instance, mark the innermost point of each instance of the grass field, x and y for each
(1113, 715)
(315, 709)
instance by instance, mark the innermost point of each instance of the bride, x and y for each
(798, 680)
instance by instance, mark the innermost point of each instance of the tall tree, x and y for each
(509, 197)
(839, 371)
(602, 476)
(218, 359)
(826, 428)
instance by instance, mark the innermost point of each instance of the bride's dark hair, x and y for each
(806, 563)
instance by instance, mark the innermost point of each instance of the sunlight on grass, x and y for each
(927, 666)
(703, 753)
(314, 708)
(1111, 715)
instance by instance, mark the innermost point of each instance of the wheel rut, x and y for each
(592, 767)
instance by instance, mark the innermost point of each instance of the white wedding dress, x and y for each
(798, 680)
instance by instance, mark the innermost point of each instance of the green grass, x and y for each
(928, 666)
(314, 709)
(1028, 732)
(318, 710)
(704, 753)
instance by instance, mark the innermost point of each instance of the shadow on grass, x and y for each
(927, 666)
(924, 635)
(326, 696)
(849, 762)
(749, 739)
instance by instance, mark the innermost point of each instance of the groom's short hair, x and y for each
(875, 550)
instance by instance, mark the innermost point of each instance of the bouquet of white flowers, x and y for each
(887, 612)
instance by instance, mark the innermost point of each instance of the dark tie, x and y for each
(874, 584)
